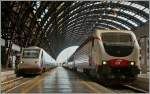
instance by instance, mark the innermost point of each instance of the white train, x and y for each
(109, 55)
(34, 61)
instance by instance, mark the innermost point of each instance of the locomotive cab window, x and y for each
(31, 53)
(117, 38)
(118, 44)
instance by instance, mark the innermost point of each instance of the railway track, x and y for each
(138, 90)
(127, 89)
(5, 86)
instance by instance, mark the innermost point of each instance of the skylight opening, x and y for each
(76, 9)
(110, 25)
(129, 12)
(130, 21)
(46, 10)
(37, 4)
(115, 9)
(42, 15)
(73, 4)
(60, 6)
(71, 21)
(146, 10)
(39, 19)
(109, 8)
(137, 6)
(49, 18)
(140, 18)
(127, 3)
(60, 14)
(60, 25)
(34, 11)
(87, 5)
(133, 23)
(35, 7)
(96, 3)
(60, 20)
(118, 23)
(123, 18)
(99, 26)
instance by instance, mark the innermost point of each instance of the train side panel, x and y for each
(81, 58)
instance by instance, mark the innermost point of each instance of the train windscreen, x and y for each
(117, 44)
(31, 53)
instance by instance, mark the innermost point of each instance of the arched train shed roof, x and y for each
(56, 25)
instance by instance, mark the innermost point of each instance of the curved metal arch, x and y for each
(82, 20)
(143, 3)
(114, 5)
(88, 13)
(133, 9)
(106, 25)
(136, 20)
(104, 21)
(83, 28)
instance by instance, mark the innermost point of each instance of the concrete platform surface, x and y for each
(6, 75)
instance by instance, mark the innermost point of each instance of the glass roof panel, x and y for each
(38, 4)
(128, 20)
(60, 20)
(133, 23)
(140, 18)
(46, 10)
(123, 18)
(127, 3)
(60, 6)
(146, 10)
(118, 23)
(137, 6)
(110, 25)
(60, 14)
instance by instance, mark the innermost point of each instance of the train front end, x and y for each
(120, 59)
(30, 63)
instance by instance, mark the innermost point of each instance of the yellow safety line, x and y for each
(90, 87)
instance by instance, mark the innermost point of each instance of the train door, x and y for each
(93, 53)
(42, 63)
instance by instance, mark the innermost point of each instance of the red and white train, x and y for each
(34, 61)
(109, 55)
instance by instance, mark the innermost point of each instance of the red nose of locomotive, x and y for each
(120, 63)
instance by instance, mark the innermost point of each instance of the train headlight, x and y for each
(21, 62)
(104, 62)
(132, 63)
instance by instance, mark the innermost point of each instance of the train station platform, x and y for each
(61, 80)
(7, 75)
(146, 75)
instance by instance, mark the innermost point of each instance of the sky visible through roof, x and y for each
(65, 54)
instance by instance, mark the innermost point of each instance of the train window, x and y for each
(117, 38)
(117, 44)
(31, 53)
